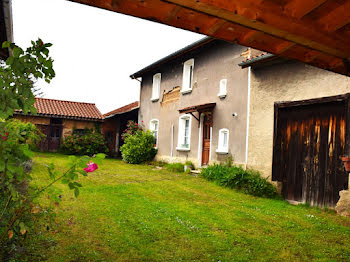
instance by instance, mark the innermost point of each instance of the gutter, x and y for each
(257, 59)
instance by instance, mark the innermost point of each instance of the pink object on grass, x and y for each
(91, 167)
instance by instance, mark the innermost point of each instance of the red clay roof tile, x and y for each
(123, 109)
(62, 108)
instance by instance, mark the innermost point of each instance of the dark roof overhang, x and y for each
(172, 56)
(209, 107)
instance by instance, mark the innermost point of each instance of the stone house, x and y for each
(58, 119)
(284, 118)
(195, 101)
(115, 123)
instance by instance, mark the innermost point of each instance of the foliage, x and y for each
(139, 213)
(18, 207)
(138, 144)
(248, 181)
(131, 129)
(175, 167)
(89, 143)
(18, 74)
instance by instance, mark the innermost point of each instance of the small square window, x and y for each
(223, 141)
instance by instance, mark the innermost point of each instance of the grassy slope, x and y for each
(133, 212)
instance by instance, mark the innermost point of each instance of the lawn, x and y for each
(140, 213)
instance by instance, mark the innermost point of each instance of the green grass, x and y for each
(140, 213)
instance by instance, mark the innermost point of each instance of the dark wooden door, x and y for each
(44, 142)
(55, 138)
(308, 144)
(206, 140)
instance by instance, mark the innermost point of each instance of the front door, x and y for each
(55, 138)
(206, 139)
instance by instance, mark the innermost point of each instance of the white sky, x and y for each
(94, 50)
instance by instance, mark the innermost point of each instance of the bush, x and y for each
(89, 143)
(248, 181)
(175, 167)
(138, 145)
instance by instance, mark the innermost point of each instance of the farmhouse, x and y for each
(284, 118)
(58, 119)
(195, 101)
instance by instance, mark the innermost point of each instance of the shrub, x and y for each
(248, 181)
(175, 167)
(89, 143)
(138, 145)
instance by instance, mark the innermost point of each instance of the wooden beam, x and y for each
(250, 37)
(300, 8)
(283, 47)
(247, 14)
(336, 18)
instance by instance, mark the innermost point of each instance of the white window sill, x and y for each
(186, 91)
(222, 95)
(221, 151)
(154, 99)
(184, 149)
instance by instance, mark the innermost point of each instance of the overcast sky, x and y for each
(94, 50)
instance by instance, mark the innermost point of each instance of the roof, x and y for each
(198, 108)
(172, 56)
(316, 32)
(122, 110)
(66, 109)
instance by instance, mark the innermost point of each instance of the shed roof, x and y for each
(123, 109)
(66, 109)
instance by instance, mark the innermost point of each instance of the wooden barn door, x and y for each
(308, 144)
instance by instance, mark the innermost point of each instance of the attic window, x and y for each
(187, 78)
(156, 87)
(223, 88)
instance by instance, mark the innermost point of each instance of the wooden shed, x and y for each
(310, 137)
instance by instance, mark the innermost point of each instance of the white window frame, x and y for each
(187, 76)
(152, 125)
(223, 88)
(182, 131)
(222, 148)
(157, 78)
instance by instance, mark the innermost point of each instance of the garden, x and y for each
(55, 207)
(128, 212)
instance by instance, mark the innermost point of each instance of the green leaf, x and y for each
(71, 185)
(76, 192)
(6, 44)
(9, 61)
(17, 51)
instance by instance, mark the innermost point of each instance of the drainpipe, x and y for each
(172, 143)
(248, 113)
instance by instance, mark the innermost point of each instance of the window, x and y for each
(223, 141)
(222, 90)
(154, 126)
(156, 87)
(187, 77)
(184, 136)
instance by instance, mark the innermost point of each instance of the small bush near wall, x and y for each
(248, 181)
(175, 167)
(138, 144)
(89, 143)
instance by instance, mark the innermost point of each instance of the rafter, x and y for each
(299, 8)
(336, 18)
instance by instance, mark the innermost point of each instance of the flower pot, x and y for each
(346, 161)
